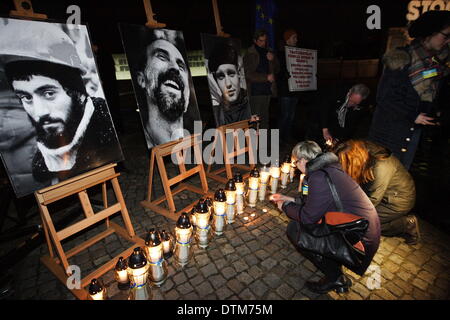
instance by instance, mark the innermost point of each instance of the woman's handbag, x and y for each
(337, 236)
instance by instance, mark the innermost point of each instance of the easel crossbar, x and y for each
(87, 222)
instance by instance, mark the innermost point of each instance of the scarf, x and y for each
(426, 69)
(64, 158)
(342, 111)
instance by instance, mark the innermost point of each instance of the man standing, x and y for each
(288, 100)
(74, 132)
(164, 77)
(260, 67)
(224, 66)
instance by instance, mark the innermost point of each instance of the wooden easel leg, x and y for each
(213, 153)
(165, 183)
(124, 210)
(47, 236)
(54, 236)
(150, 176)
(198, 160)
(105, 200)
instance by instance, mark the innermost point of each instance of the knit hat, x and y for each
(223, 53)
(289, 33)
(428, 23)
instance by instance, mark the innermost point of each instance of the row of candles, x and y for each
(207, 215)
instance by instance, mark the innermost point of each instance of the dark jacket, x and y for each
(240, 110)
(251, 62)
(393, 190)
(99, 146)
(283, 77)
(398, 104)
(353, 118)
(320, 201)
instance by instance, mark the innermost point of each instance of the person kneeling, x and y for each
(310, 160)
(388, 184)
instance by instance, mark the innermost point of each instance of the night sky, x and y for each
(335, 28)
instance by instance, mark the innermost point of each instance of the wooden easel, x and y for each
(58, 263)
(151, 22)
(230, 154)
(178, 148)
(58, 259)
(219, 30)
(24, 9)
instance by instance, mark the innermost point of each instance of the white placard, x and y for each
(302, 66)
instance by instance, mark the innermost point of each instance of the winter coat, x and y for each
(398, 104)
(393, 189)
(283, 77)
(320, 201)
(251, 62)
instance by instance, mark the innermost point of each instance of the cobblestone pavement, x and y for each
(251, 260)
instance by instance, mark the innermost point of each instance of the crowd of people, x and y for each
(370, 175)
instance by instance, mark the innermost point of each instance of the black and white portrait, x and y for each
(226, 79)
(162, 82)
(55, 122)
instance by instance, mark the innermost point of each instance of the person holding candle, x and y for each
(315, 165)
(388, 184)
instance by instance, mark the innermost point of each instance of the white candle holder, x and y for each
(275, 173)
(253, 188)
(230, 191)
(263, 181)
(138, 273)
(183, 233)
(155, 257)
(220, 207)
(202, 214)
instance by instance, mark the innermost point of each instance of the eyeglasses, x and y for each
(446, 35)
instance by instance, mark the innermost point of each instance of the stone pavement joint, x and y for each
(249, 261)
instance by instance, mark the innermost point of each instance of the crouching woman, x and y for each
(312, 162)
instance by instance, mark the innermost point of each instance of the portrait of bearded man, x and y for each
(162, 82)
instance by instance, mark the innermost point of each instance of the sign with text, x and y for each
(302, 67)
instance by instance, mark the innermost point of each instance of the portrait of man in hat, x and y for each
(73, 131)
(162, 82)
(226, 79)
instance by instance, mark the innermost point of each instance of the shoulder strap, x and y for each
(334, 193)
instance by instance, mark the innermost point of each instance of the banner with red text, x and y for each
(302, 67)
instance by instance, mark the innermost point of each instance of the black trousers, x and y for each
(330, 268)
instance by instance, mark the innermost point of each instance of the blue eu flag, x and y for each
(265, 12)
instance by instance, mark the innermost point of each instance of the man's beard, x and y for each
(169, 105)
(52, 139)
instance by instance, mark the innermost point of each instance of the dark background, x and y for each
(334, 27)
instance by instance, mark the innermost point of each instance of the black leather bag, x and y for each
(336, 242)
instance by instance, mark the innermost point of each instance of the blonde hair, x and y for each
(307, 150)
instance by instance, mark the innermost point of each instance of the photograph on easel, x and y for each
(55, 123)
(226, 79)
(162, 82)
